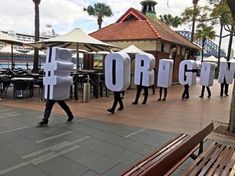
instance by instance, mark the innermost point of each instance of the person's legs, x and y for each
(146, 93)
(160, 94)
(115, 100)
(65, 107)
(202, 92)
(186, 91)
(153, 89)
(49, 105)
(208, 91)
(47, 112)
(226, 89)
(119, 99)
(139, 88)
(221, 89)
(165, 94)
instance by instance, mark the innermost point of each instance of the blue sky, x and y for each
(64, 15)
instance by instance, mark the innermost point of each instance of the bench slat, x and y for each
(218, 159)
(138, 168)
(174, 158)
(229, 165)
(195, 168)
(223, 164)
(209, 160)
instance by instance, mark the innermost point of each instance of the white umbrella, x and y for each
(31, 52)
(211, 59)
(10, 40)
(76, 39)
(132, 49)
(8, 49)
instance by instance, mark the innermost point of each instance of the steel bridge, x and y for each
(211, 49)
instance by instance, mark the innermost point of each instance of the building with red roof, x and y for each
(151, 35)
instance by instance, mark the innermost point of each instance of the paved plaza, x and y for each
(99, 143)
(85, 147)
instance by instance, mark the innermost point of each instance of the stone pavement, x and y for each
(100, 143)
(84, 147)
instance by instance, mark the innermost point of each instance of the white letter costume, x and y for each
(57, 79)
(207, 74)
(165, 71)
(144, 73)
(187, 74)
(227, 72)
(117, 71)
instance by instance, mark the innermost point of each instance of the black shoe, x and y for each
(120, 109)
(110, 110)
(221, 95)
(70, 119)
(164, 99)
(209, 96)
(42, 124)
(159, 99)
(134, 102)
(201, 96)
(226, 94)
(143, 102)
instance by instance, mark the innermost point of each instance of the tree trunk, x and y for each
(37, 32)
(203, 46)
(230, 42)
(220, 41)
(194, 18)
(232, 108)
(232, 112)
(99, 21)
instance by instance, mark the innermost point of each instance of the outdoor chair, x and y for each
(6, 82)
(21, 89)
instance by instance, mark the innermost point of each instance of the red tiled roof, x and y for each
(140, 27)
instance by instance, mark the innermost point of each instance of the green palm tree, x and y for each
(37, 32)
(222, 15)
(195, 13)
(204, 32)
(170, 20)
(100, 10)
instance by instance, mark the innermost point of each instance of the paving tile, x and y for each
(29, 170)
(62, 166)
(116, 171)
(22, 146)
(91, 173)
(8, 158)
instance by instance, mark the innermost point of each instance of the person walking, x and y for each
(138, 92)
(185, 94)
(48, 108)
(160, 94)
(224, 88)
(203, 90)
(117, 99)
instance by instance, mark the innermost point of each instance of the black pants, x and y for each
(117, 99)
(139, 88)
(186, 91)
(165, 92)
(223, 89)
(49, 106)
(203, 90)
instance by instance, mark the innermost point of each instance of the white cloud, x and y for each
(64, 15)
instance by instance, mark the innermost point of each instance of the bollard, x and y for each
(86, 92)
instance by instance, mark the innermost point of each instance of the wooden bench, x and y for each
(218, 158)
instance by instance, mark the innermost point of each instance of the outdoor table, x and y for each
(22, 78)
